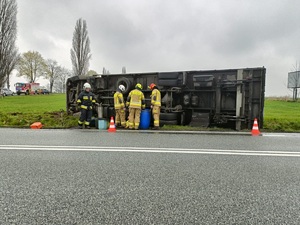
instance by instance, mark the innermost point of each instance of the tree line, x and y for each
(31, 65)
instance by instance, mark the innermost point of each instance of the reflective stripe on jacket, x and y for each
(155, 98)
(136, 99)
(118, 100)
(86, 100)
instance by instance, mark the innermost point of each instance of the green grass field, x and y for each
(22, 111)
(281, 115)
(33, 103)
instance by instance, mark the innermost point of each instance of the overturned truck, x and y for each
(230, 98)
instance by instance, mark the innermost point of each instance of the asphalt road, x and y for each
(92, 177)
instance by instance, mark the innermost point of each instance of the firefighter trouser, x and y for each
(134, 118)
(85, 117)
(155, 113)
(120, 117)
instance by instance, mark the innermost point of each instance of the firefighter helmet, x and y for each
(122, 87)
(151, 86)
(86, 86)
(139, 86)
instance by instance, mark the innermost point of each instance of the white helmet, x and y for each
(122, 87)
(86, 86)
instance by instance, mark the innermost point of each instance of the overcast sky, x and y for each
(169, 35)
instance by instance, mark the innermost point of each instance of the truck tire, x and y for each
(127, 84)
(168, 116)
(168, 122)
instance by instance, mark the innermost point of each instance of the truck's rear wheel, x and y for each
(167, 122)
(168, 116)
(127, 84)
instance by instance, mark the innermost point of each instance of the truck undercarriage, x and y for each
(226, 98)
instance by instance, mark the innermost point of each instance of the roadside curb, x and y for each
(183, 132)
(237, 133)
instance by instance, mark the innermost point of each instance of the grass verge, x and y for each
(281, 115)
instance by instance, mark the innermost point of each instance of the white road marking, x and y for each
(152, 150)
(274, 135)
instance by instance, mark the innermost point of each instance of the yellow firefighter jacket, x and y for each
(136, 99)
(119, 100)
(155, 97)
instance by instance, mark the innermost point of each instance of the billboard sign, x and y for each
(294, 79)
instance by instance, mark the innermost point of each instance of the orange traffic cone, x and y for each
(112, 127)
(255, 130)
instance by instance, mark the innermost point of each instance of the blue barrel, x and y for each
(145, 119)
(102, 124)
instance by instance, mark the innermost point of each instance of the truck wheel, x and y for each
(168, 122)
(127, 84)
(168, 116)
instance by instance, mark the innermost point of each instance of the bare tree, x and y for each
(60, 82)
(52, 72)
(103, 70)
(31, 65)
(123, 69)
(8, 34)
(13, 57)
(80, 52)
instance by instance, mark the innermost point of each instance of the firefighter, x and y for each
(86, 100)
(135, 102)
(155, 104)
(120, 106)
